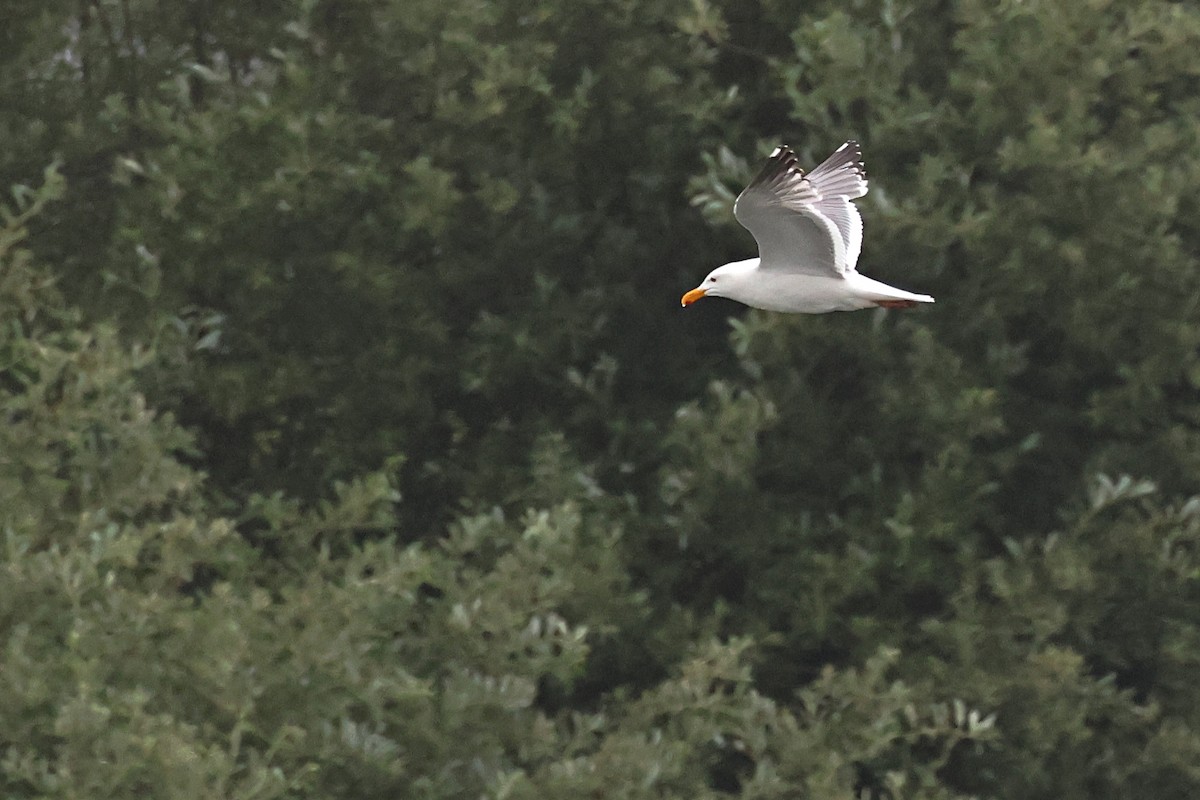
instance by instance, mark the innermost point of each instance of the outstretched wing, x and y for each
(806, 223)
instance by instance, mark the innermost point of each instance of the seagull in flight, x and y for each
(809, 235)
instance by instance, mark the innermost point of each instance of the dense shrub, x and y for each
(355, 445)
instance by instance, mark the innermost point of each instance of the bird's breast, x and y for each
(797, 293)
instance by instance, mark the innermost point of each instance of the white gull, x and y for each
(809, 235)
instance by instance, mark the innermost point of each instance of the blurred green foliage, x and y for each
(355, 445)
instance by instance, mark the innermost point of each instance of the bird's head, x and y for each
(721, 282)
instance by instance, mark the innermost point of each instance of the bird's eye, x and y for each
(712, 280)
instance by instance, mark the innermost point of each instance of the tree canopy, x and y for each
(355, 444)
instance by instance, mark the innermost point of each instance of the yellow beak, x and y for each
(691, 297)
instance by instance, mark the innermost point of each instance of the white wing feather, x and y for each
(806, 223)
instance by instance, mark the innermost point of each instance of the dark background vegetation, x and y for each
(354, 444)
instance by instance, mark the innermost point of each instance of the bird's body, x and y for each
(809, 235)
(774, 290)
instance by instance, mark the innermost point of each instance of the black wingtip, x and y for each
(781, 161)
(848, 156)
(784, 164)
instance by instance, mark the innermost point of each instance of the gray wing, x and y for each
(806, 223)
